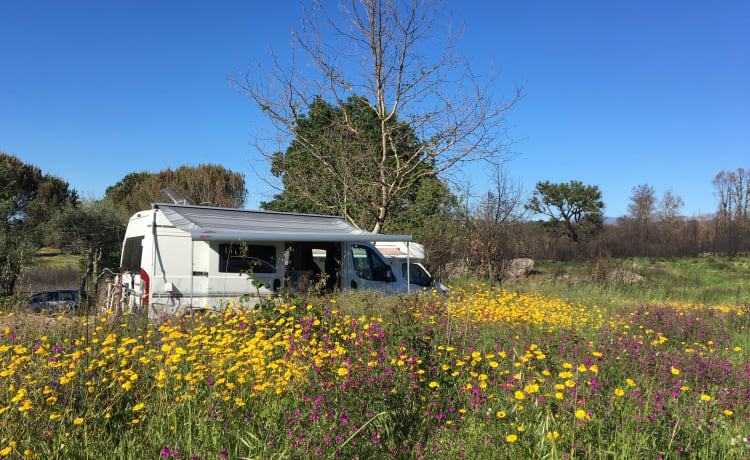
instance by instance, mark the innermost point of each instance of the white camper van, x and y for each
(412, 255)
(177, 258)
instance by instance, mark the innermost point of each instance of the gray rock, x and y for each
(520, 268)
(624, 277)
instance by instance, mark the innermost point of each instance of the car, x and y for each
(55, 300)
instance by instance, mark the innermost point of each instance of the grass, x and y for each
(54, 258)
(700, 280)
(587, 370)
(361, 376)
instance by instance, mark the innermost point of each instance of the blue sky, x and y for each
(618, 93)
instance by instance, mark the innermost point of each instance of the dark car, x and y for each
(56, 300)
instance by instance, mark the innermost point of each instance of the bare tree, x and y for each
(642, 204)
(733, 214)
(491, 224)
(381, 52)
(669, 206)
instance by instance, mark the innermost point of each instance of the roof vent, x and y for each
(174, 195)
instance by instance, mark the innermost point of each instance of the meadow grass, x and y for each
(50, 257)
(697, 280)
(483, 373)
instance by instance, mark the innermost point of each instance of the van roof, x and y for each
(230, 224)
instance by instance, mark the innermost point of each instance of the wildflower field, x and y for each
(482, 374)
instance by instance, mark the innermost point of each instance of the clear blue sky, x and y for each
(618, 93)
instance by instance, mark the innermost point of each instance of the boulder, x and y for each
(520, 268)
(624, 277)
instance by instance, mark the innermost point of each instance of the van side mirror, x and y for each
(389, 276)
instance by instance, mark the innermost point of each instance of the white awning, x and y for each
(226, 224)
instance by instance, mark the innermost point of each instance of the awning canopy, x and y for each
(226, 224)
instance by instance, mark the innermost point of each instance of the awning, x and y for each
(227, 224)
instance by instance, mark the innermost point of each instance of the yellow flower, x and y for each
(54, 415)
(78, 421)
(500, 414)
(675, 371)
(139, 406)
(342, 371)
(433, 384)
(559, 395)
(619, 392)
(581, 414)
(728, 412)
(6, 451)
(705, 398)
(553, 434)
(511, 438)
(519, 395)
(630, 382)
(135, 421)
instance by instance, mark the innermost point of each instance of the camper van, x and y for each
(405, 256)
(177, 258)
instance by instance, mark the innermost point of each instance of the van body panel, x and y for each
(170, 272)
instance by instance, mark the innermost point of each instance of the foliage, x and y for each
(29, 195)
(522, 376)
(205, 184)
(574, 209)
(332, 167)
(27, 199)
(16, 251)
(93, 230)
(377, 54)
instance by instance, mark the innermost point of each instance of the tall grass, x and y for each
(485, 373)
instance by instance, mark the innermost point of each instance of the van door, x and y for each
(369, 270)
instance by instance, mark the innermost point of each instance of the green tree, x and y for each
(16, 251)
(573, 208)
(27, 199)
(206, 184)
(317, 178)
(18, 184)
(391, 60)
(94, 230)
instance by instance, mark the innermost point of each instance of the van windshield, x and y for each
(417, 275)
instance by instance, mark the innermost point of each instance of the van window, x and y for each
(417, 275)
(236, 258)
(131, 254)
(368, 265)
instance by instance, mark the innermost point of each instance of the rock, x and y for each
(624, 277)
(456, 269)
(520, 268)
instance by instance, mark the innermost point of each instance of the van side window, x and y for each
(131, 255)
(240, 257)
(368, 265)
